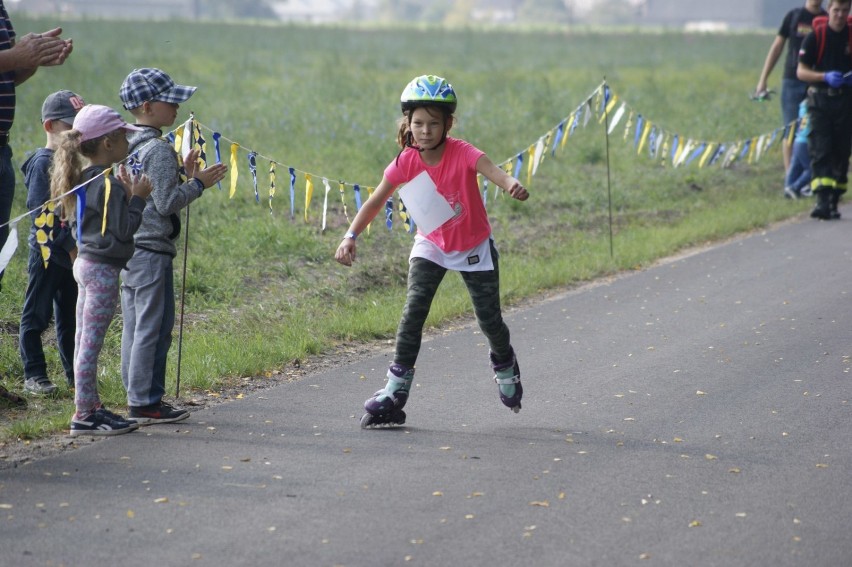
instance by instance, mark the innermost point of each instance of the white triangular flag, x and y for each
(10, 246)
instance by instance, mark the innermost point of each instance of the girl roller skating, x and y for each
(463, 243)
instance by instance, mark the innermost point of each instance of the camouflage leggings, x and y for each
(424, 277)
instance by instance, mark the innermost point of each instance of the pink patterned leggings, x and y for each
(97, 299)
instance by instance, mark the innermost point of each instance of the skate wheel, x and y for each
(395, 417)
(517, 408)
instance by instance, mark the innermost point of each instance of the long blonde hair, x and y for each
(68, 165)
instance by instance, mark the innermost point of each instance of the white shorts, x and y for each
(477, 259)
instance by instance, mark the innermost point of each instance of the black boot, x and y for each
(835, 199)
(822, 210)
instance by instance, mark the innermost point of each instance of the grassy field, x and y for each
(263, 291)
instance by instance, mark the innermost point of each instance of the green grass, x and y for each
(263, 291)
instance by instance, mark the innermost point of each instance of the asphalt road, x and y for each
(696, 413)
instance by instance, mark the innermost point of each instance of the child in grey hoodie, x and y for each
(147, 290)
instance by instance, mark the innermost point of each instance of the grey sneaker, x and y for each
(40, 385)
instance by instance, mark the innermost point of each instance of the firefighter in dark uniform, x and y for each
(825, 62)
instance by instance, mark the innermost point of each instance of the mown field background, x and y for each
(263, 291)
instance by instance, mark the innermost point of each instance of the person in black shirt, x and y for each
(825, 64)
(794, 28)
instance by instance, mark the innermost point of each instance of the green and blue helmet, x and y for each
(428, 90)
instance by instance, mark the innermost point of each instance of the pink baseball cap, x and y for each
(95, 120)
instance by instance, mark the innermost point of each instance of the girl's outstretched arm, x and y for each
(345, 253)
(497, 176)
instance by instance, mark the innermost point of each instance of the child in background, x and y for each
(112, 214)
(51, 289)
(463, 243)
(147, 284)
(798, 181)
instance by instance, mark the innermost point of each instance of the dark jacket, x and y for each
(115, 246)
(36, 172)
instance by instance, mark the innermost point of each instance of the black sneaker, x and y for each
(40, 385)
(100, 423)
(157, 413)
(118, 417)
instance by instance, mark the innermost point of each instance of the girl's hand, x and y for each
(518, 191)
(122, 175)
(131, 182)
(141, 186)
(346, 252)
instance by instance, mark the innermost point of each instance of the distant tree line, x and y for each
(437, 11)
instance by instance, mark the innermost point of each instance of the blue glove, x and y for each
(834, 79)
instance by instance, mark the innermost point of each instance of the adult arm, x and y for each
(809, 75)
(33, 51)
(772, 57)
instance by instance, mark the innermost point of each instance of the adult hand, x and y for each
(42, 49)
(834, 79)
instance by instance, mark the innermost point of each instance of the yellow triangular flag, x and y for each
(234, 170)
(107, 191)
(309, 193)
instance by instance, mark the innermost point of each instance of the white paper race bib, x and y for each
(427, 207)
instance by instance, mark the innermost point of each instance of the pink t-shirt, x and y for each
(455, 178)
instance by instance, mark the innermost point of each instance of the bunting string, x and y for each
(661, 145)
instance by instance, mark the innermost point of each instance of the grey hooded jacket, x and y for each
(160, 221)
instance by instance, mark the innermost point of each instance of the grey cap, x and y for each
(61, 105)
